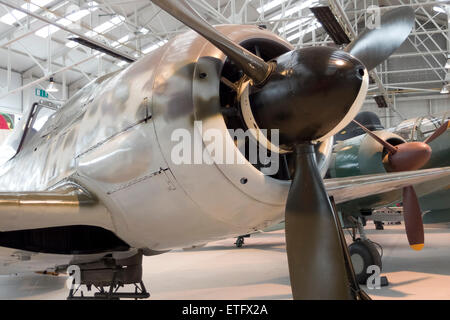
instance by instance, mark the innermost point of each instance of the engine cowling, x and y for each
(361, 155)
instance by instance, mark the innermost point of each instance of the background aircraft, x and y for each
(356, 153)
(362, 154)
(96, 186)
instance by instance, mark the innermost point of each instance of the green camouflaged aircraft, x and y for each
(366, 148)
(359, 152)
(363, 155)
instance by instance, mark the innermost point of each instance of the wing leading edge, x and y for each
(351, 188)
(74, 206)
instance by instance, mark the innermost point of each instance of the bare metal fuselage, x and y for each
(114, 139)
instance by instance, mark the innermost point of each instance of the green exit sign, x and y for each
(41, 93)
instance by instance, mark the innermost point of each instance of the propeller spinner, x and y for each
(308, 94)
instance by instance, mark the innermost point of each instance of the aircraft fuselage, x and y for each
(114, 139)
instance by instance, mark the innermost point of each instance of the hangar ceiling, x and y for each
(38, 50)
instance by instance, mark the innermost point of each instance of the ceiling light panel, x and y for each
(15, 15)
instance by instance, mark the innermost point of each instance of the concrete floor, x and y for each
(259, 271)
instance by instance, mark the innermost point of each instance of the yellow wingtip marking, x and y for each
(418, 247)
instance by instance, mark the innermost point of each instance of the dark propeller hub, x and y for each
(309, 94)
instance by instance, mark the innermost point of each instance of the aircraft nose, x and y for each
(310, 93)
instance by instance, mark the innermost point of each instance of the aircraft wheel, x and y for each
(379, 225)
(239, 242)
(364, 254)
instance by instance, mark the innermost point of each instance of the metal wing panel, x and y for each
(346, 189)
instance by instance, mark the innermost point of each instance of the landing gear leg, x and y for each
(241, 240)
(357, 293)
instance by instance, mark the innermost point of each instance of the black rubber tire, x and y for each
(379, 225)
(239, 242)
(364, 254)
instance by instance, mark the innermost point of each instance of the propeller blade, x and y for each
(374, 46)
(253, 66)
(439, 132)
(413, 219)
(315, 254)
(384, 143)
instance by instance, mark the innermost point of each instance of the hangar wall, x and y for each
(13, 102)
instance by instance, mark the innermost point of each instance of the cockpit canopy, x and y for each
(31, 123)
(419, 129)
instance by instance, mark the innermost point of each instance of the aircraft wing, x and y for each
(346, 189)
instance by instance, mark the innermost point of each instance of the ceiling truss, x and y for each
(145, 26)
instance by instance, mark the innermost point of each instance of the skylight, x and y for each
(106, 26)
(121, 63)
(70, 19)
(71, 44)
(295, 23)
(295, 9)
(153, 47)
(15, 15)
(314, 26)
(120, 42)
(270, 5)
(110, 24)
